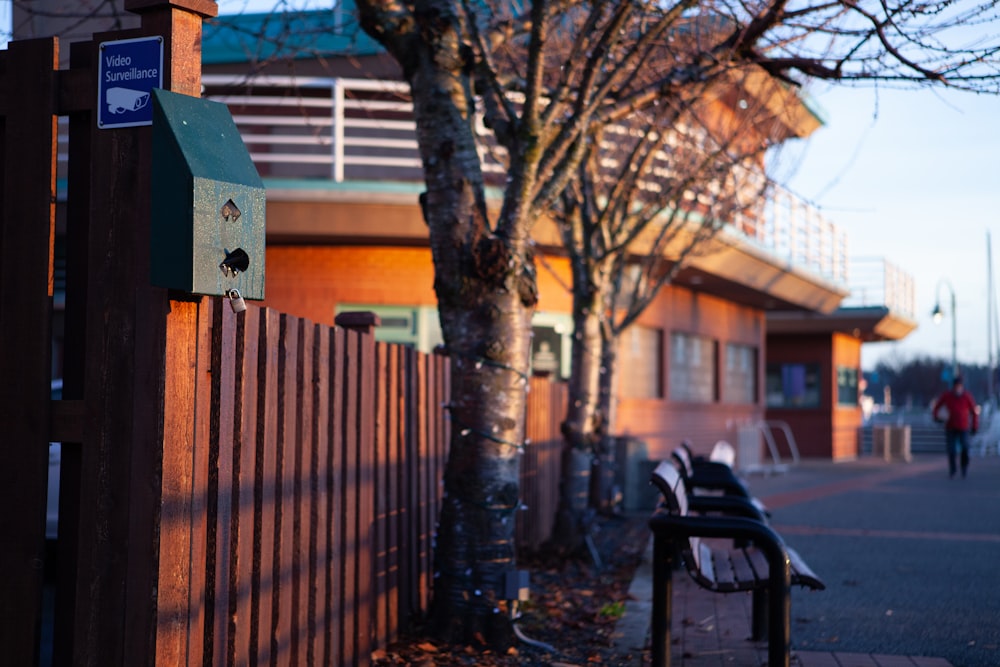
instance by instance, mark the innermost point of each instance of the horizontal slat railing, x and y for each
(358, 129)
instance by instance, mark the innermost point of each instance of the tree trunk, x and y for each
(486, 290)
(584, 424)
(602, 474)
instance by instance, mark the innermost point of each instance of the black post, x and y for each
(761, 605)
(663, 593)
(780, 607)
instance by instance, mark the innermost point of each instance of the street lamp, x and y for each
(937, 314)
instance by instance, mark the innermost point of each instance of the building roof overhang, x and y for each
(870, 323)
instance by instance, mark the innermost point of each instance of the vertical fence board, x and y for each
(320, 573)
(305, 495)
(221, 485)
(366, 495)
(266, 583)
(337, 476)
(284, 493)
(350, 500)
(380, 530)
(300, 443)
(247, 340)
(424, 489)
(396, 423)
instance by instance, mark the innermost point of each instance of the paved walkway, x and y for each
(885, 612)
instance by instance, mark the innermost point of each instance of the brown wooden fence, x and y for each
(313, 491)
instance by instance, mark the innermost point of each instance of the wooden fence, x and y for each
(313, 491)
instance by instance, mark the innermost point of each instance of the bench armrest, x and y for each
(668, 526)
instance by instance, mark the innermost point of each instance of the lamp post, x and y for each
(937, 314)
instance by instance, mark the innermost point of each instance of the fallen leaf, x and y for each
(427, 647)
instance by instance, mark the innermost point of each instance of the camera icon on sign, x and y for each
(120, 100)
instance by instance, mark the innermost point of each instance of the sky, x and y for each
(910, 176)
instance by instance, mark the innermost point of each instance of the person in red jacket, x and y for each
(962, 420)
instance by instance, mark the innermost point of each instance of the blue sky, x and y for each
(910, 175)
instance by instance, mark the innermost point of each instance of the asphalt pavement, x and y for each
(911, 559)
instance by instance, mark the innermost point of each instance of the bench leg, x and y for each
(663, 593)
(779, 629)
(760, 611)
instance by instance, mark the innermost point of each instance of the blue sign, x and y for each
(129, 70)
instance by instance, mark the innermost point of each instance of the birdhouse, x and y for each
(208, 201)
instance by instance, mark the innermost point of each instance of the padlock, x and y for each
(236, 301)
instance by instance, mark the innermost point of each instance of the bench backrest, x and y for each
(683, 459)
(668, 480)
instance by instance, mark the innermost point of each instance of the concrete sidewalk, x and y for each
(836, 515)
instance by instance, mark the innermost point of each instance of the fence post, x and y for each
(27, 229)
(108, 598)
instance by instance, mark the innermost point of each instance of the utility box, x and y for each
(633, 472)
(208, 201)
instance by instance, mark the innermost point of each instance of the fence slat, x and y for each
(221, 486)
(349, 503)
(305, 498)
(302, 511)
(320, 576)
(382, 542)
(265, 581)
(282, 640)
(366, 496)
(247, 341)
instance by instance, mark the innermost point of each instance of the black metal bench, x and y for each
(709, 503)
(711, 477)
(766, 567)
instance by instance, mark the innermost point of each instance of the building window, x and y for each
(640, 356)
(847, 385)
(692, 368)
(740, 381)
(793, 385)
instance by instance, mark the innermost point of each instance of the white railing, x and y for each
(359, 129)
(876, 282)
(796, 231)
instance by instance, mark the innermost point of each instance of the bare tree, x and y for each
(648, 195)
(543, 78)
